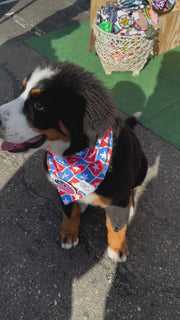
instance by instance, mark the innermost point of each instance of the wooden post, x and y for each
(169, 32)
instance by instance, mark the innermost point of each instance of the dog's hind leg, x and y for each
(116, 222)
(68, 235)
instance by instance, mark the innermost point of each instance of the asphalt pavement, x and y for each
(38, 279)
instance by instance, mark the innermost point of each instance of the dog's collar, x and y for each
(79, 174)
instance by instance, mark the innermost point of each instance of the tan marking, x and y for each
(70, 226)
(63, 129)
(52, 134)
(101, 201)
(24, 82)
(117, 240)
(35, 93)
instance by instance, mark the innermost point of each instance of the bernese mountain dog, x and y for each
(92, 156)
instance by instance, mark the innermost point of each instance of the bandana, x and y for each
(77, 175)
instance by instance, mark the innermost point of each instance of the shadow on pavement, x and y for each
(37, 276)
(36, 273)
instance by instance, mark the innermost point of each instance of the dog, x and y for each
(66, 111)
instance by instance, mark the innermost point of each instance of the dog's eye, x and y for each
(38, 106)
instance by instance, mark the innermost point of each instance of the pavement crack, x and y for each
(27, 26)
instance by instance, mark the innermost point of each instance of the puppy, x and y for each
(91, 155)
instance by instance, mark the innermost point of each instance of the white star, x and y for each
(103, 155)
(96, 167)
(78, 196)
(103, 171)
(109, 156)
(96, 184)
(91, 155)
(79, 153)
(65, 175)
(66, 201)
(76, 169)
(106, 140)
(85, 176)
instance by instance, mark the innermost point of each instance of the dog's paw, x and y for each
(116, 255)
(67, 241)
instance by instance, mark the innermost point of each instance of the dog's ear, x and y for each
(73, 117)
(88, 118)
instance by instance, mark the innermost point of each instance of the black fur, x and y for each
(87, 110)
(131, 122)
(77, 99)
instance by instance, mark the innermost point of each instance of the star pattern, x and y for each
(77, 175)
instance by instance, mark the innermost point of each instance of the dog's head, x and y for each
(62, 108)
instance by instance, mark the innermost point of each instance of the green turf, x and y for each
(155, 92)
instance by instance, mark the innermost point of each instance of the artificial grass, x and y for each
(155, 92)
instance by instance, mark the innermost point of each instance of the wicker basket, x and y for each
(122, 53)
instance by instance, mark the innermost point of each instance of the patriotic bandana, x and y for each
(77, 175)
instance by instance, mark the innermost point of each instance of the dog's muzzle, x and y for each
(22, 147)
(14, 129)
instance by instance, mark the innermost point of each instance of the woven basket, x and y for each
(122, 53)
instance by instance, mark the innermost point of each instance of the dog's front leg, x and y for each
(116, 222)
(68, 235)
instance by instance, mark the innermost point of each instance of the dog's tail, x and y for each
(132, 120)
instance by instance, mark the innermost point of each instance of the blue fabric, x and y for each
(78, 175)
